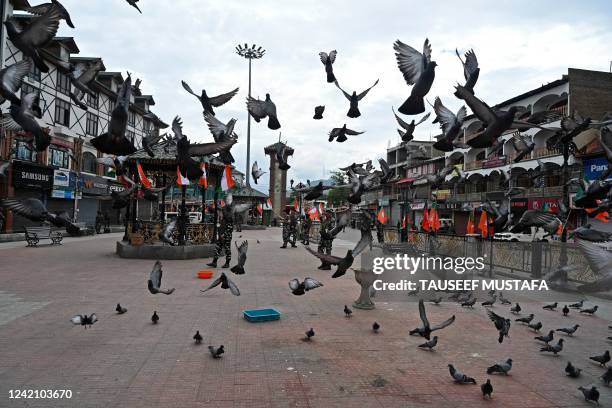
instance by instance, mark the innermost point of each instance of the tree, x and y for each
(338, 196)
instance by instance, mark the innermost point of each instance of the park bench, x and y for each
(33, 235)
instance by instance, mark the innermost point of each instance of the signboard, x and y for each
(63, 194)
(520, 203)
(26, 175)
(417, 206)
(61, 178)
(549, 204)
(94, 185)
(593, 168)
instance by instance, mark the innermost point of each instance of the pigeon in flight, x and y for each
(282, 155)
(155, 317)
(470, 69)
(81, 79)
(44, 8)
(309, 334)
(503, 367)
(426, 329)
(209, 102)
(590, 394)
(319, 112)
(222, 133)
(11, 78)
(572, 371)
(600, 261)
(34, 210)
(524, 149)
(256, 172)
(133, 4)
(487, 389)
(430, 344)
(166, 235)
(23, 117)
(569, 330)
(548, 338)
(553, 349)
(314, 192)
(408, 133)
(587, 233)
(537, 218)
(418, 70)
(36, 35)
(216, 352)
(154, 282)
(114, 141)
(84, 320)
(197, 337)
(226, 283)
(450, 123)
(299, 288)
(354, 100)
(242, 257)
(459, 377)
(120, 309)
(260, 109)
(501, 324)
(328, 61)
(602, 359)
(340, 134)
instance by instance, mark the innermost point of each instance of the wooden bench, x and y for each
(33, 235)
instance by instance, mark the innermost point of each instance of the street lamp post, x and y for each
(250, 54)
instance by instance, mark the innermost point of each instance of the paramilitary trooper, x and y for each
(224, 238)
(290, 230)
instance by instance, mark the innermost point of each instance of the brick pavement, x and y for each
(125, 361)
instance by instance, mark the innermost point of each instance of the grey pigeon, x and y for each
(242, 257)
(459, 377)
(516, 309)
(309, 334)
(328, 60)
(590, 394)
(208, 102)
(565, 310)
(354, 99)
(602, 359)
(590, 310)
(470, 69)
(487, 389)
(347, 311)
(340, 134)
(133, 4)
(553, 349)
(120, 309)
(319, 112)
(155, 317)
(375, 327)
(418, 70)
(490, 302)
(154, 282)
(501, 324)
(469, 303)
(261, 109)
(572, 371)
(569, 330)
(523, 148)
(44, 8)
(226, 283)
(282, 155)
(537, 218)
(342, 263)
(577, 305)
(81, 80)
(84, 320)
(408, 133)
(11, 78)
(551, 306)
(23, 117)
(436, 301)
(256, 172)
(34, 210)
(585, 232)
(166, 235)
(535, 326)
(299, 288)
(607, 376)
(221, 133)
(548, 338)
(197, 337)
(450, 123)
(426, 329)
(216, 352)
(430, 344)
(505, 301)
(503, 367)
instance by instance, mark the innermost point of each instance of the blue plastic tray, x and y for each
(261, 315)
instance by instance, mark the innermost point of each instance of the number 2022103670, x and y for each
(40, 394)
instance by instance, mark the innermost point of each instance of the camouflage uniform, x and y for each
(306, 230)
(325, 243)
(380, 232)
(224, 239)
(289, 231)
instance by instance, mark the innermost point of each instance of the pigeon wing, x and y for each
(364, 93)
(364, 242)
(42, 29)
(422, 313)
(256, 108)
(334, 260)
(347, 96)
(215, 283)
(203, 149)
(352, 132)
(599, 259)
(310, 283)
(223, 98)
(27, 208)
(233, 288)
(410, 62)
(12, 76)
(188, 89)
(496, 319)
(401, 122)
(77, 319)
(155, 277)
(605, 138)
(444, 324)
(294, 284)
(216, 127)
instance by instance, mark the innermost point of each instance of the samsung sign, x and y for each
(594, 168)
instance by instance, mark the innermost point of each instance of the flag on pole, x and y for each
(269, 203)
(313, 213)
(559, 229)
(406, 222)
(434, 219)
(143, 177)
(180, 179)
(203, 179)
(227, 181)
(471, 228)
(260, 209)
(123, 181)
(425, 223)
(482, 224)
(382, 216)
(296, 205)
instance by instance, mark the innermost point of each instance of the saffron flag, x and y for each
(482, 224)
(559, 229)
(382, 216)
(470, 229)
(425, 225)
(180, 179)
(203, 179)
(603, 216)
(123, 181)
(434, 219)
(227, 181)
(143, 177)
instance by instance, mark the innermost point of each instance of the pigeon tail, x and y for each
(106, 144)
(331, 78)
(317, 116)
(273, 123)
(354, 112)
(412, 106)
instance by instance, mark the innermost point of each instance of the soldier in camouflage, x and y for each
(224, 238)
(325, 242)
(306, 224)
(290, 230)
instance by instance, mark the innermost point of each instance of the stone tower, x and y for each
(278, 181)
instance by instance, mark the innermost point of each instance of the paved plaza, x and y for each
(126, 361)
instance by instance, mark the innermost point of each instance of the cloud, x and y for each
(520, 45)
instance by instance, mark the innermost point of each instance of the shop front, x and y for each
(30, 180)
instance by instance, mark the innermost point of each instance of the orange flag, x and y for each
(482, 224)
(434, 219)
(296, 205)
(603, 216)
(203, 179)
(180, 179)
(143, 177)
(425, 223)
(471, 228)
(382, 216)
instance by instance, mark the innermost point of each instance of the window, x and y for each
(63, 83)
(90, 164)
(131, 118)
(58, 157)
(92, 101)
(34, 73)
(23, 151)
(130, 135)
(62, 112)
(92, 124)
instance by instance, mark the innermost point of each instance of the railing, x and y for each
(545, 152)
(196, 233)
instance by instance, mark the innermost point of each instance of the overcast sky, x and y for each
(520, 45)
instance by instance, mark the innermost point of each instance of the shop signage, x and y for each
(549, 204)
(520, 203)
(61, 178)
(94, 185)
(594, 168)
(27, 175)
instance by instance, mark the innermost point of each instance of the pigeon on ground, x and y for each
(548, 338)
(407, 134)
(114, 141)
(553, 349)
(226, 283)
(505, 301)
(487, 389)
(242, 257)
(590, 311)
(469, 303)
(590, 394)
(375, 327)
(490, 302)
(23, 118)
(459, 377)
(319, 112)
(565, 310)
(418, 70)
(354, 100)
(426, 329)
(436, 301)
(155, 317)
(120, 309)
(84, 320)
(197, 337)
(430, 344)
(470, 69)
(552, 306)
(209, 102)
(133, 4)
(299, 288)
(260, 109)
(602, 359)
(309, 334)
(450, 123)
(347, 311)
(501, 324)
(256, 172)
(535, 326)
(572, 371)
(340, 134)
(11, 78)
(342, 263)
(216, 352)
(525, 320)
(44, 8)
(577, 305)
(503, 367)
(607, 376)
(516, 309)
(569, 330)
(328, 61)
(154, 283)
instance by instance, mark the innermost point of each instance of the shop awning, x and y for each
(406, 180)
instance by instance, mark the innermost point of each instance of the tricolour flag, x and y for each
(203, 179)
(382, 216)
(143, 177)
(260, 209)
(227, 181)
(180, 179)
